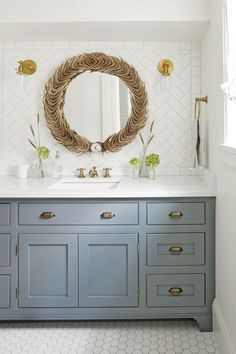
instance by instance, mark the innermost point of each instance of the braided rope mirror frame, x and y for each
(54, 100)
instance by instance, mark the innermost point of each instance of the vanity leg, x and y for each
(204, 322)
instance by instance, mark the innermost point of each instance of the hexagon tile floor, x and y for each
(106, 337)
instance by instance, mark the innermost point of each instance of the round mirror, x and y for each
(110, 108)
(70, 113)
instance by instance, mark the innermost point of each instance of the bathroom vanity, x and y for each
(107, 255)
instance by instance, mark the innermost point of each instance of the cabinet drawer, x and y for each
(78, 214)
(172, 290)
(4, 291)
(4, 214)
(175, 249)
(175, 213)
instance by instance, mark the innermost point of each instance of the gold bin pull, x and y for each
(47, 215)
(107, 215)
(175, 250)
(176, 214)
(175, 291)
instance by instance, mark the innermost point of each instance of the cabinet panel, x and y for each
(48, 270)
(175, 213)
(172, 290)
(4, 250)
(175, 249)
(4, 214)
(4, 291)
(108, 270)
(79, 214)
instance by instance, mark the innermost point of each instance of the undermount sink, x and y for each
(85, 184)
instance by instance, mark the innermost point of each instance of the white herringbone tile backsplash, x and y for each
(171, 107)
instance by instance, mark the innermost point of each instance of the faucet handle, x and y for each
(106, 173)
(81, 172)
(93, 172)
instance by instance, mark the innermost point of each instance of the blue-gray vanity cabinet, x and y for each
(4, 214)
(4, 291)
(108, 270)
(48, 275)
(5, 256)
(73, 259)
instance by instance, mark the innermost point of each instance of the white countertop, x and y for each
(162, 186)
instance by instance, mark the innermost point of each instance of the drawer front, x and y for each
(175, 213)
(4, 214)
(172, 290)
(4, 250)
(175, 249)
(4, 291)
(78, 214)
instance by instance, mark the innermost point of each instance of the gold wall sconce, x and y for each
(165, 67)
(26, 67)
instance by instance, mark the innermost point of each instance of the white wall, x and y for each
(171, 107)
(222, 162)
(103, 10)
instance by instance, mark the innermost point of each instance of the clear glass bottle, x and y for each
(57, 166)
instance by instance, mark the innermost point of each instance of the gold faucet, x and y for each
(81, 172)
(93, 172)
(106, 173)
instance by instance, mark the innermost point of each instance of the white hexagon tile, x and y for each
(106, 337)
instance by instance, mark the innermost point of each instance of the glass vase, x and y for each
(135, 172)
(37, 168)
(152, 173)
(143, 171)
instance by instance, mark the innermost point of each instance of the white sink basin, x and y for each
(85, 184)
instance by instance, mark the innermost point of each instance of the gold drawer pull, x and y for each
(107, 215)
(47, 215)
(175, 291)
(175, 250)
(176, 214)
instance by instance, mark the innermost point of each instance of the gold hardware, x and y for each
(17, 250)
(175, 291)
(175, 249)
(107, 215)
(106, 173)
(17, 292)
(26, 67)
(81, 172)
(176, 214)
(165, 67)
(93, 172)
(202, 99)
(47, 215)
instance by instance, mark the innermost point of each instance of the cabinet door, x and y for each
(48, 270)
(108, 270)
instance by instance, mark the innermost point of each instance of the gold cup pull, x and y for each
(47, 215)
(176, 214)
(175, 250)
(175, 291)
(107, 215)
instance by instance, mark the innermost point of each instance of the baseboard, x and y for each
(222, 335)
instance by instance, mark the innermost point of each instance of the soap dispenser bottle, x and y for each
(57, 166)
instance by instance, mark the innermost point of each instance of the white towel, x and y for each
(199, 137)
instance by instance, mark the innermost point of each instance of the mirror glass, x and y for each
(97, 105)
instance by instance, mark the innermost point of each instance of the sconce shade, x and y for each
(26, 67)
(165, 67)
